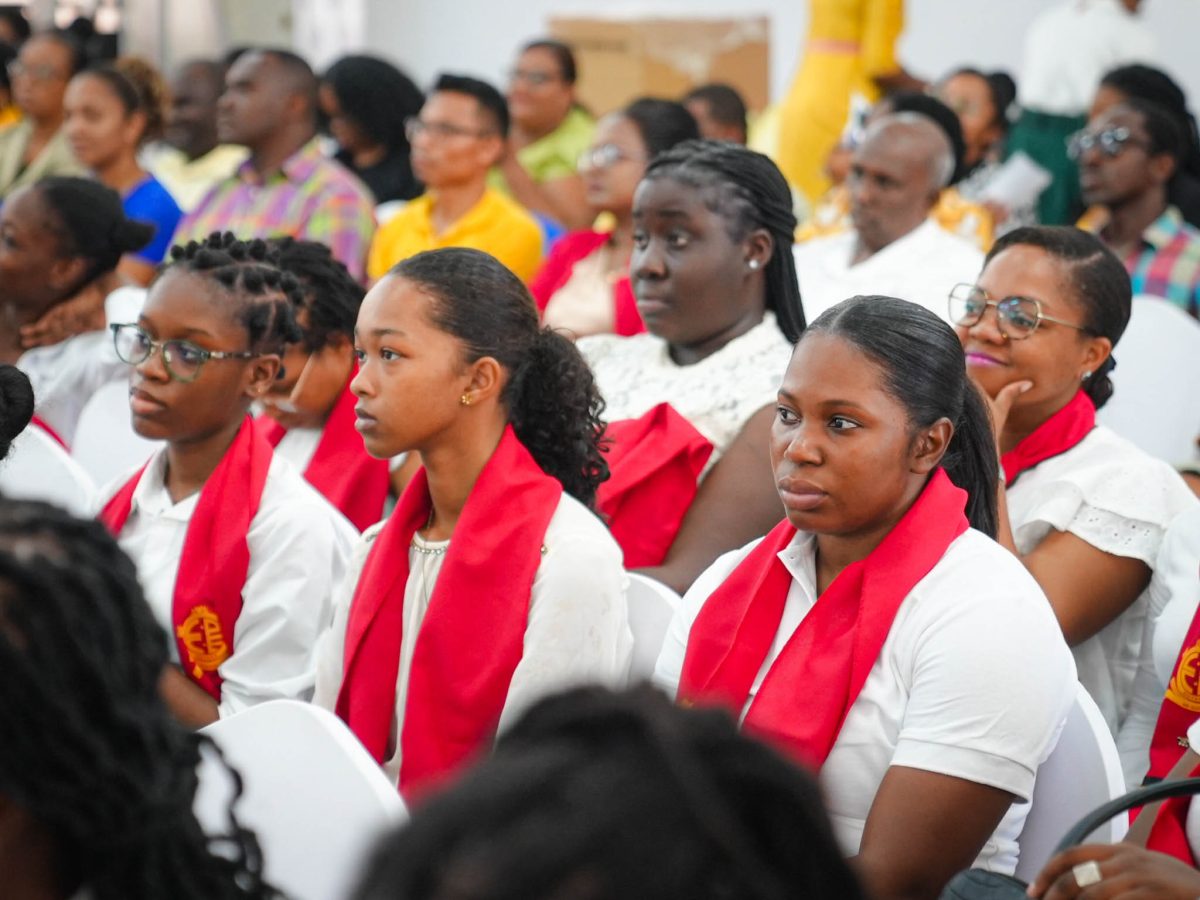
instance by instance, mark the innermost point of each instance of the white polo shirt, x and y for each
(974, 681)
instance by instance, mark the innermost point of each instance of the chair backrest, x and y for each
(1082, 772)
(1158, 360)
(105, 443)
(38, 468)
(314, 796)
(651, 606)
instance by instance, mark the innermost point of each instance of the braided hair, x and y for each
(600, 795)
(750, 192)
(249, 275)
(328, 292)
(90, 751)
(16, 406)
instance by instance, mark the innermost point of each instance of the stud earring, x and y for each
(465, 400)
(753, 264)
(1085, 376)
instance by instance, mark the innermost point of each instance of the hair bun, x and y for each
(16, 405)
(131, 235)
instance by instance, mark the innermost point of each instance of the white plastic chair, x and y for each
(312, 793)
(1082, 772)
(1158, 361)
(105, 443)
(38, 468)
(651, 606)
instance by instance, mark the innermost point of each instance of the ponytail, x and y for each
(1098, 386)
(971, 462)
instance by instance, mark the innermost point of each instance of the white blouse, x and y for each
(718, 394)
(578, 629)
(299, 548)
(1119, 499)
(974, 681)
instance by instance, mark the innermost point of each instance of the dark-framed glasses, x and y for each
(1110, 141)
(1017, 317)
(603, 156)
(182, 359)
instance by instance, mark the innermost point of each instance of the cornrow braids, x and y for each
(249, 274)
(329, 293)
(90, 750)
(750, 192)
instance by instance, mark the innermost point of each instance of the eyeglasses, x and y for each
(1110, 141)
(441, 130)
(182, 359)
(605, 156)
(1017, 317)
(18, 69)
(533, 79)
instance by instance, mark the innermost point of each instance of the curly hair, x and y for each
(551, 396)
(90, 750)
(140, 88)
(249, 274)
(377, 96)
(328, 292)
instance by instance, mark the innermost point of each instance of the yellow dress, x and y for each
(849, 44)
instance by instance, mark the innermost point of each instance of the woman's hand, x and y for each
(1001, 405)
(1126, 872)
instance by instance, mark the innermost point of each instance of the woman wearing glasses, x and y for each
(1082, 508)
(238, 555)
(583, 286)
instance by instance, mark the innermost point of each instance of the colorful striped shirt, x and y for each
(311, 197)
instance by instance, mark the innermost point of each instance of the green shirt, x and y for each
(557, 154)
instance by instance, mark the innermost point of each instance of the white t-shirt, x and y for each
(1069, 48)
(920, 267)
(299, 549)
(717, 395)
(37, 468)
(578, 629)
(1119, 499)
(973, 681)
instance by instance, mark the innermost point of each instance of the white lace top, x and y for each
(1120, 500)
(718, 394)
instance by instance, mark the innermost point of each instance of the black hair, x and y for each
(925, 371)
(1097, 279)
(248, 275)
(750, 192)
(294, 69)
(725, 104)
(139, 88)
(563, 55)
(91, 222)
(8, 54)
(1162, 128)
(661, 123)
(90, 750)
(552, 399)
(597, 795)
(940, 114)
(72, 44)
(1001, 89)
(16, 405)
(20, 25)
(377, 96)
(327, 290)
(492, 104)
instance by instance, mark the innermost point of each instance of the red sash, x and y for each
(656, 461)
(42, 424)
(1169, 832)
(557, 269)
(1180, 707)
(1056, 435)
(215, 560)
(473, 633)
(818, 675)
(341, 469)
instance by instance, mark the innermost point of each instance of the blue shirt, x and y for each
(150, 202)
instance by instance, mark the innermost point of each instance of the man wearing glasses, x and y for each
(1127, 157)
(459, 135)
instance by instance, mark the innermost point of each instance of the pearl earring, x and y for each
(753, 264)
(1085, 376)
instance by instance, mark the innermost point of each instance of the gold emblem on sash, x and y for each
(203, 640)
(1184, 688)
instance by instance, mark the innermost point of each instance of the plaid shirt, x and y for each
(1168, 265)
(311, 198)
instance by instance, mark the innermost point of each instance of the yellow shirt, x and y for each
(496, 225)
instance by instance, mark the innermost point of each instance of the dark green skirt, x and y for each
(1043, 137)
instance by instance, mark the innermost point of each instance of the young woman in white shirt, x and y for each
(237, 553)
(492, 583)
(872, 635)
(1082, 508)
(690, 402)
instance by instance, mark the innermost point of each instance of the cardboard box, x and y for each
(621, 59)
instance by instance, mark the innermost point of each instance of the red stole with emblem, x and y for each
(1168, 834)
(341, 469)
(656, 461)
(1056, 435)
(805, 696)
(473, 633)
(42, 424)
(1180, 707)
(216, 558)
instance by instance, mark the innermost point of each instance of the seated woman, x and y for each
(492, 583)
(309, 410)
(549, 132)
(1084, 509)
(60, 239)
(871, 634)
(97, 780)
(691, 402)
(237, 553)
(367, 101)
(583, 286)
(111, 111)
